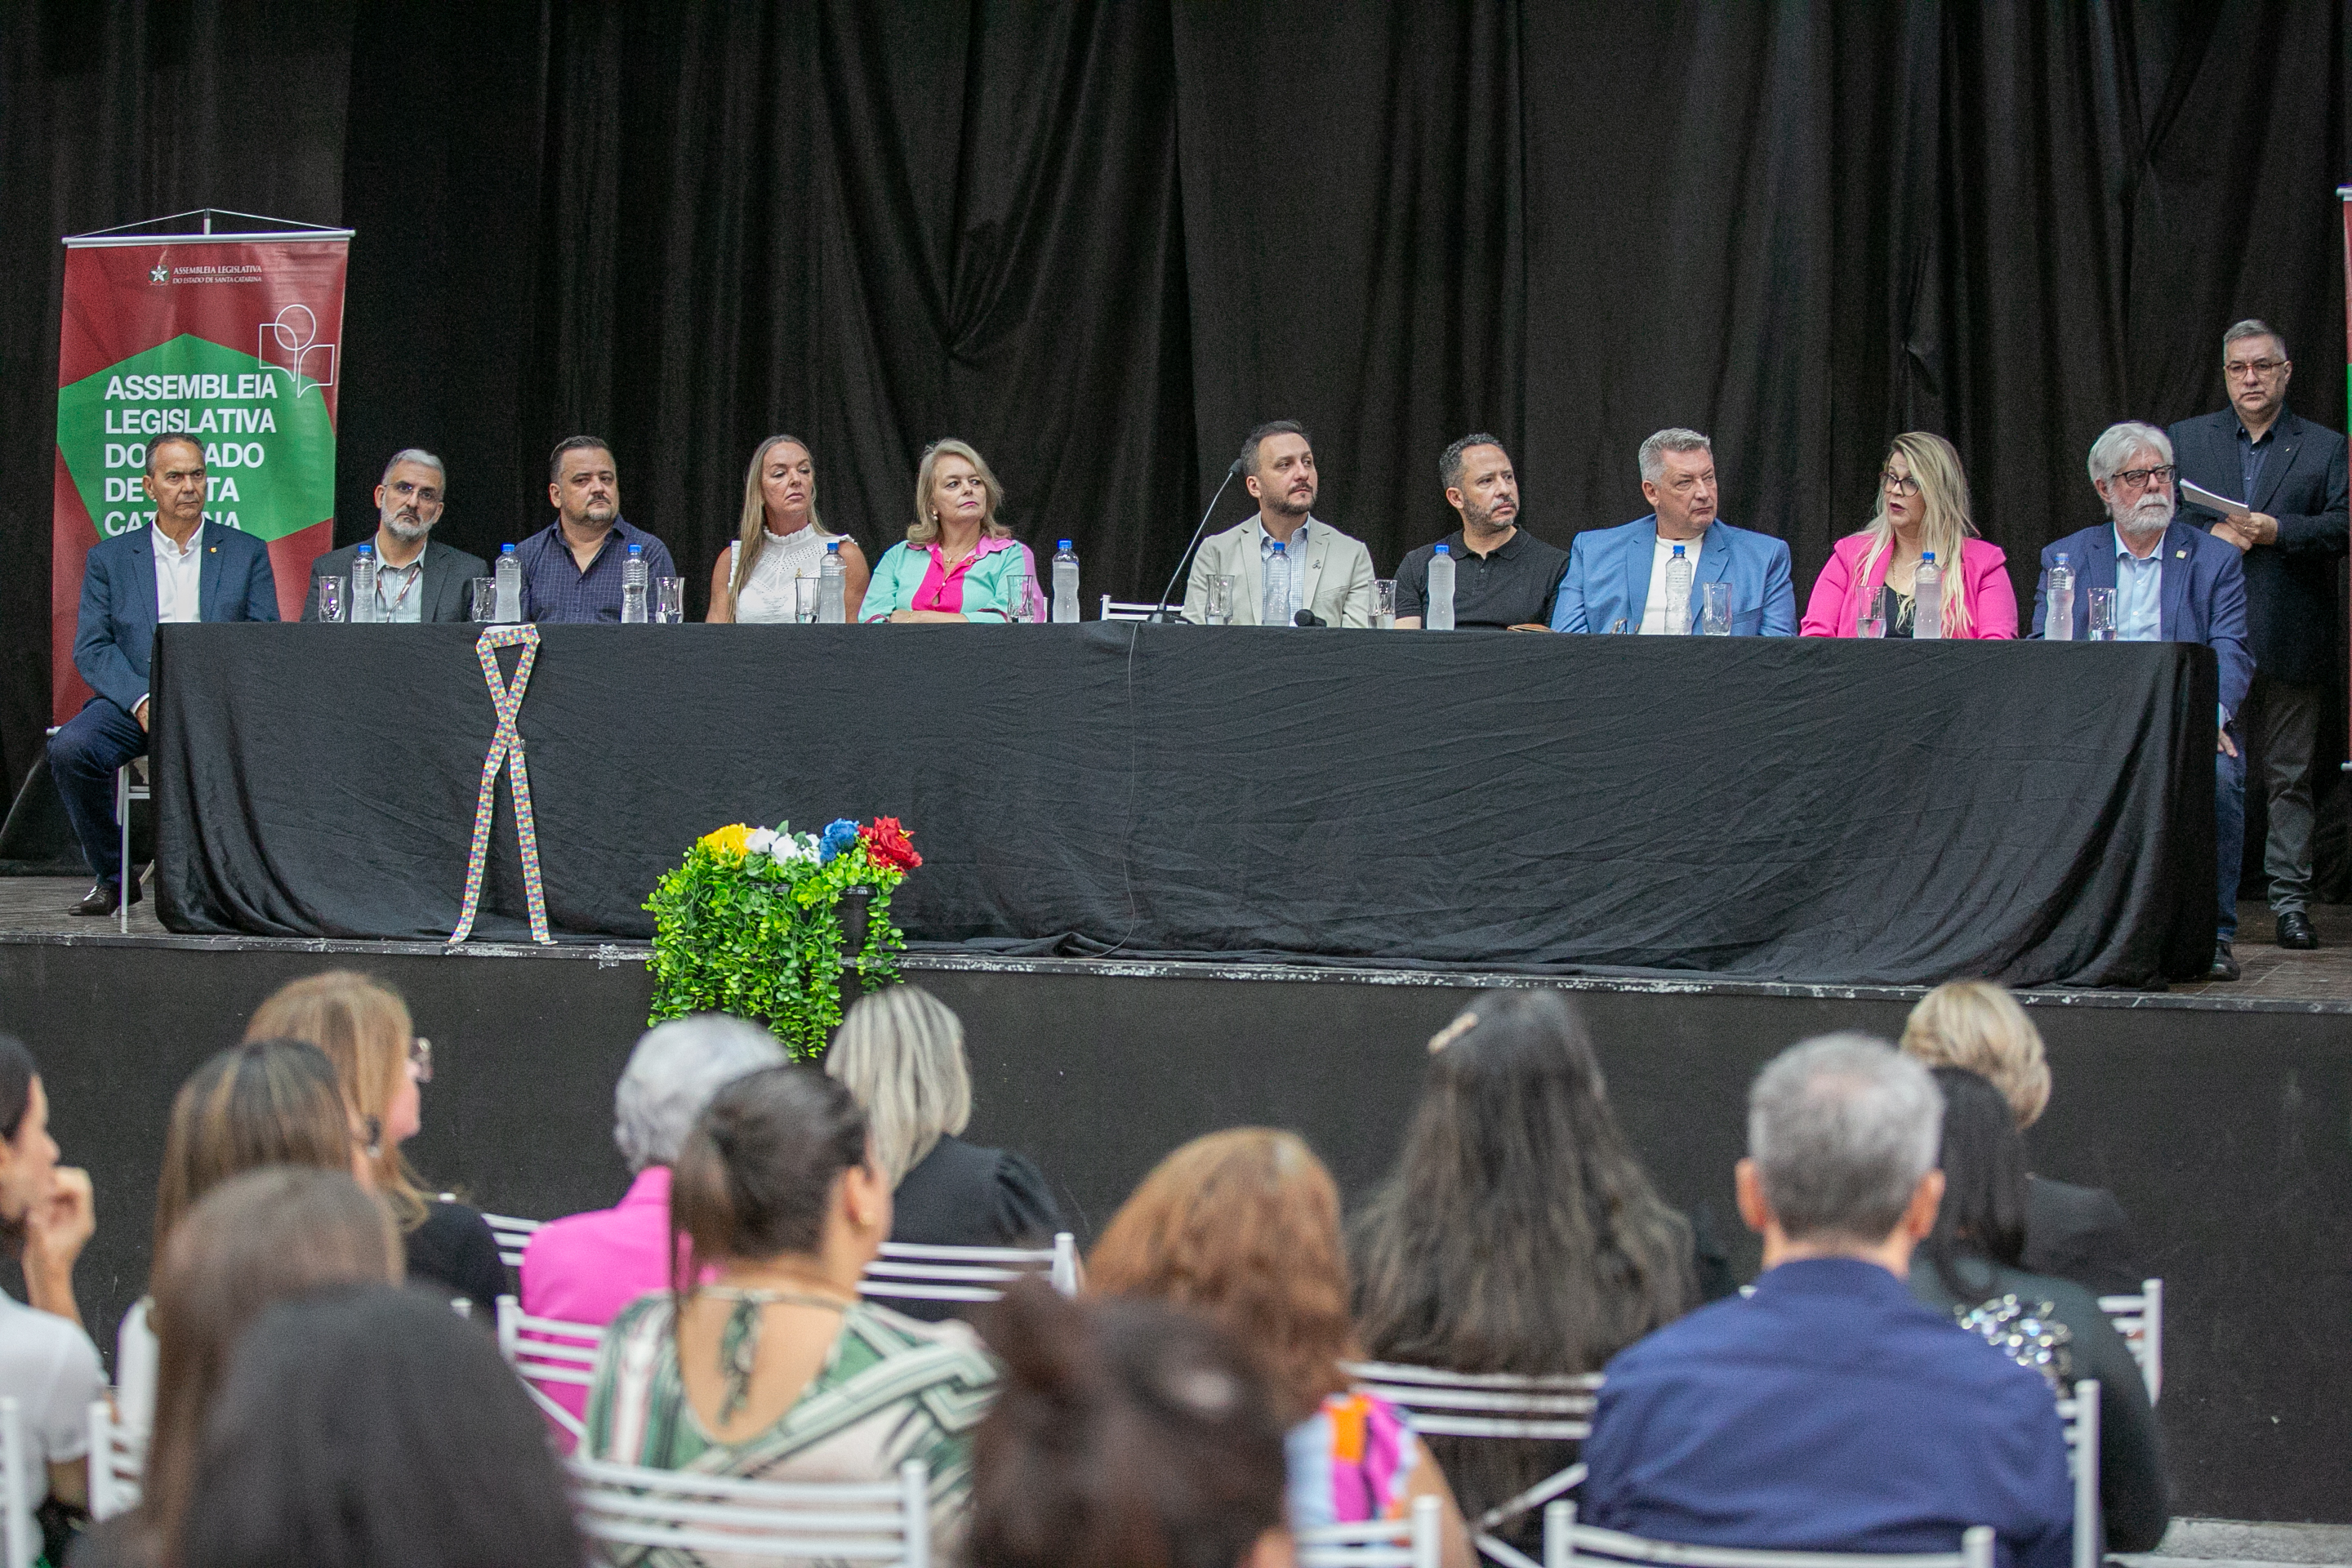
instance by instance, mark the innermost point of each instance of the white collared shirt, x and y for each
(178, 577)
(1653, 612)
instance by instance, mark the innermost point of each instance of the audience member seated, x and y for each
(1923, 509)
(1326, 573)
(2075, 1233)
(780, 541)
(958, 561)
(1517, 1232)
(900, 1052)
(1125, 1433)
(1830, 1410)
(363, 1027)
(762, 1362)
(259, 1238)
(1972, 1267)
(366, 1426)
(1504, 576)
(572, 568)
(263, 1104)
(47, 1362)
(1616, 578)
(1244, 1226)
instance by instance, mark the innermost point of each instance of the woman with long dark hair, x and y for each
(1517, 1232)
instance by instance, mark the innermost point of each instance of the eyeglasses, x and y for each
(420, 1058)
(2140, 479)
(1901, 484)
(2265, 368)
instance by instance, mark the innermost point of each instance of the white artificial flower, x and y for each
(794, 846)
(761, 841)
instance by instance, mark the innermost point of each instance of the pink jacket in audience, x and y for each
(1985, 588)
(585, 1267)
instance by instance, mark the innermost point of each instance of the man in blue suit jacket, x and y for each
(180, 569)
(2172, 583)
(1616, 576)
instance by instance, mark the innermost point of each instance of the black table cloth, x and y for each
(1834, 812)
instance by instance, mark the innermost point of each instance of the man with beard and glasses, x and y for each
(2173, 581)
(572, 569)
(416, 579)
(1504, 576)
(1329, 574)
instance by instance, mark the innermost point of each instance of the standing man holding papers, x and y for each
(1616, 577)
(416, 578)
(2287, 477)
(1329, 574)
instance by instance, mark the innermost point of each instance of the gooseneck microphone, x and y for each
(1168, 612)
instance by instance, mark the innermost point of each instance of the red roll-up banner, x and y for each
(234, 338)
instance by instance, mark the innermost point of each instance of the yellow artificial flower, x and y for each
(730, 841)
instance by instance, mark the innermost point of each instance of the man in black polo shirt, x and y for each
(1503, 576)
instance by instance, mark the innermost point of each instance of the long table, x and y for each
(1834, 811)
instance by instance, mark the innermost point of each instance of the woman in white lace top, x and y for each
(780, 538)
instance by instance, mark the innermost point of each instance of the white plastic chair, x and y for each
(2140, 1319)
(1126, 610)
(126, 790)
(1409, 1543)
(1567, 1541)
(511, 1235)
(2080, 1412)
(1545, 1407)
(18, 1493)
(556, 1352)
(118, 1458)
(886, 1522)
(905, 1272)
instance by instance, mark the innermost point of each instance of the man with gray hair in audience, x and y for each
(1616, 578)
(2166, 581)
(1830, 1410)
(416, 578)
(585, 1267)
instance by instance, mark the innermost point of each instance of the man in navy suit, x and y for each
(180, 569)
(2172, 583)
(1616, 577)
(2289, 475)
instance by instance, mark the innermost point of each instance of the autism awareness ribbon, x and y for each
(506, 747)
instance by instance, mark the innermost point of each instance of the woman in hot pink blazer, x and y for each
(1923, 505)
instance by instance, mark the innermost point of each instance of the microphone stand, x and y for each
(1165, 612)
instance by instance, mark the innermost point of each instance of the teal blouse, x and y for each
(988, 579)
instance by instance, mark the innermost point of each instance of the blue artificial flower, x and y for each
(842, 834)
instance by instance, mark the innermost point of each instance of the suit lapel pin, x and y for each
(2181, 555)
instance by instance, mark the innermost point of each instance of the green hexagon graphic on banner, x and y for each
(269, 446)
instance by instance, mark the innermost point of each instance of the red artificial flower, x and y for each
(887, 844)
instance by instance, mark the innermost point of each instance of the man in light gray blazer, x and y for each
(1329, 574)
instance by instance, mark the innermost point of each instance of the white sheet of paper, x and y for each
(2206, 497)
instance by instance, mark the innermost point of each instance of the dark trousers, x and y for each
(2285, 722)
(83, 756)
(2230, 828)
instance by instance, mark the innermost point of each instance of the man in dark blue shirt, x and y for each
(1830, 1410)
(571, 568)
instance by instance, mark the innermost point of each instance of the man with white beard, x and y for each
(416, 578)
(2172, 582)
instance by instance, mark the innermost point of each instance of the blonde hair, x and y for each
(1943, 485)
(900, 1053)
(364, 1028)
(925, 526)
(1976, 1025)
(751, 535)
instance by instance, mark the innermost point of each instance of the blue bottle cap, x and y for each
(506, 549)
(833, 548)
(1678, 553)
(1441, 550)
(1282, 549)
(367, 549)
(1064, 545)
(637, 550)
(1927, 558)
(2062, 558)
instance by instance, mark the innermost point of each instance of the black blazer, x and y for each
(448, 578)
(2290, 585)
(961, 1194)
(2079, 1234)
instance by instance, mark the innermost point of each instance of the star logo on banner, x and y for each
(159, 273)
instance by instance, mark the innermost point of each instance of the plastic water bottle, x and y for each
(1928, 596)
(363, 584)
(633, 587)
(1678, 590)
(832, 587)
(1437, 615)
(1277, 608)
(2058, 619)
(1066, 583)
(508, 608)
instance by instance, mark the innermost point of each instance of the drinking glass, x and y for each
(669, 600)
(1872, 622)
(1385, 601)
(330, 598)
(1221, 599)
(1715, 609)
(486, 599)
(2102, 614)
(1023, 610)
(805, 601)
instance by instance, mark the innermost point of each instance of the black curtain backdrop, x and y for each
(1101, 240)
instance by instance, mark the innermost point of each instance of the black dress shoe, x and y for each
(2225, 967)
(103, 899)
(2295, 931)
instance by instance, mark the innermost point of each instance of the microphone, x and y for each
(1172, 613)
(1308, 618)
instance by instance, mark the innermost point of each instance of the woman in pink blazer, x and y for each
(1923, 505)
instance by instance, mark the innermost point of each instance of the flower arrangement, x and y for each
(749, 924)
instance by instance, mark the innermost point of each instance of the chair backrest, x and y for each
(885, 1523)
(1556, 1407)
(118, 1458)
(511, 1235)
(17, 1547)
(2140, 1319)
(1411, 1541)
(545, 1351)
(905, 1272)
(1567, 1541)
(2080, 1411)
(1126, 610)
